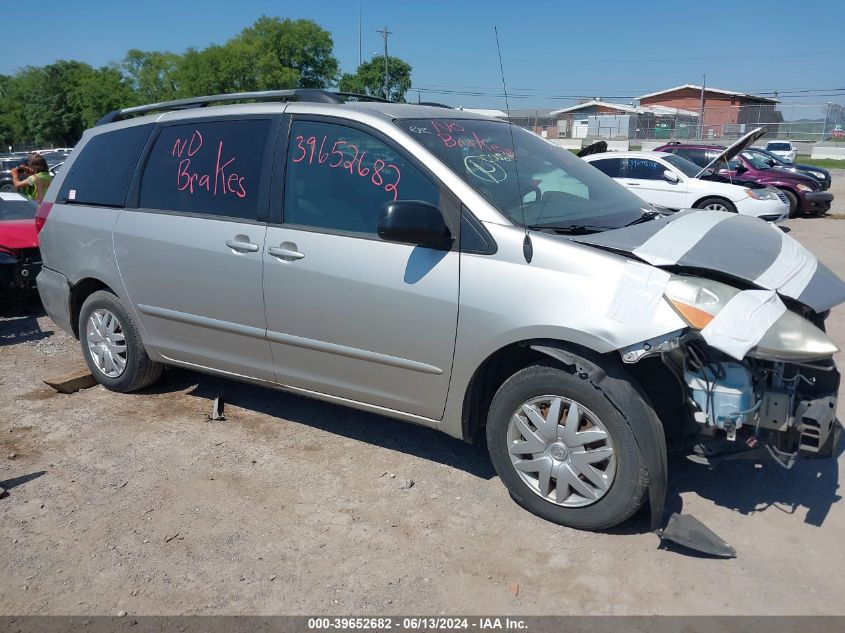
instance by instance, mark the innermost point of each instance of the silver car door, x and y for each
(349, 314)
(190, 254)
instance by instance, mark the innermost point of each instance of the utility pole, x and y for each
(701, 108)
(360, 55)
(385, 33)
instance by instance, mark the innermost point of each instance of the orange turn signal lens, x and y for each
(696, 317)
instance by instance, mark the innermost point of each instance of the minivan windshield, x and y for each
(778, 147)
(527, 178)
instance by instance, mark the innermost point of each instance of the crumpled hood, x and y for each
(736, 245)
(18, 234)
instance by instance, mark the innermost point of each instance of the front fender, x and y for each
(639, 414)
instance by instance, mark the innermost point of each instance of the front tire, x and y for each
(112, 346)
(583, 470)
(794, 203)
(716, 204)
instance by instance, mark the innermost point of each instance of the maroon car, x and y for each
(804, 193)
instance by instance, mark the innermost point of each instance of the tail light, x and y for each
(41, 215)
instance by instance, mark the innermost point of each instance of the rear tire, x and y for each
(716, 204)
(616, 486)
(794, 203)
(112, 346)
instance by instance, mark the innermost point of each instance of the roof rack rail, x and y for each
(434, 104)
(361, 97)
(302, 94)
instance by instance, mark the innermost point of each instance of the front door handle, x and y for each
(286, 251)
(242, 246)
(633, 184)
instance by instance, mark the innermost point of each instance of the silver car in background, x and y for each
(445, 269)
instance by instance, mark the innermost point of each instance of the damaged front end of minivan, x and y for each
(754, 363)
(777, 396)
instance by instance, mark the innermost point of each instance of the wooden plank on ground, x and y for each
(72, 381)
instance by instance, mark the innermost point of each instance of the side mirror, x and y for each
(671, 176)
(741, 169)
(414, 222)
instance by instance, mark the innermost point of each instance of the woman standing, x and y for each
(33, 178)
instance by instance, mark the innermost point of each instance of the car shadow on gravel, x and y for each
(19, 323)
(366, 427)
(14, 482)
(749, 486)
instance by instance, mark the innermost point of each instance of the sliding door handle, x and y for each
(242, 247)
(285, 253)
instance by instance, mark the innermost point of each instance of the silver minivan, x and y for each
(445, 269)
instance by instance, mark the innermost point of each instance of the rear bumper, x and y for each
(816, 201)
(54, 290)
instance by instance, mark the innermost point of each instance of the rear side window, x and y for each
(207, 168)
(610, 166)
(100, 175)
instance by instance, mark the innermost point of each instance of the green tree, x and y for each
(47, 112)
(271, 54)
(288, 53)
(54, 104)
(369, 78)
(11, 123)
(151, 75)
(93, 92)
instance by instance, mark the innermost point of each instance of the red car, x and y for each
(20, 259)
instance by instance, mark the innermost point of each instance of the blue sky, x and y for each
(553, 51)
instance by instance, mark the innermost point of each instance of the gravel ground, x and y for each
(837, 188)
(138, 503)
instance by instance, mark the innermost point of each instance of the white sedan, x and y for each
(674, 182)
(785, 149)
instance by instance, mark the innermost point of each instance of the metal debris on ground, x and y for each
(217, 409)
(689, 532)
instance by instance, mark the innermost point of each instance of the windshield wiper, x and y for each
(647, 216)
(570, 229)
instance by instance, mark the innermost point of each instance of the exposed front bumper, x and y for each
(17, 275)
(54, 290)
(816, 202)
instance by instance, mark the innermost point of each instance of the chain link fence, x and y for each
(809, 123)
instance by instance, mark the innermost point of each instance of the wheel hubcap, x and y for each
(106, 342)
(561, 451)
(716, 207)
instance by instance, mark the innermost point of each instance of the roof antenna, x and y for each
(527, 247)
